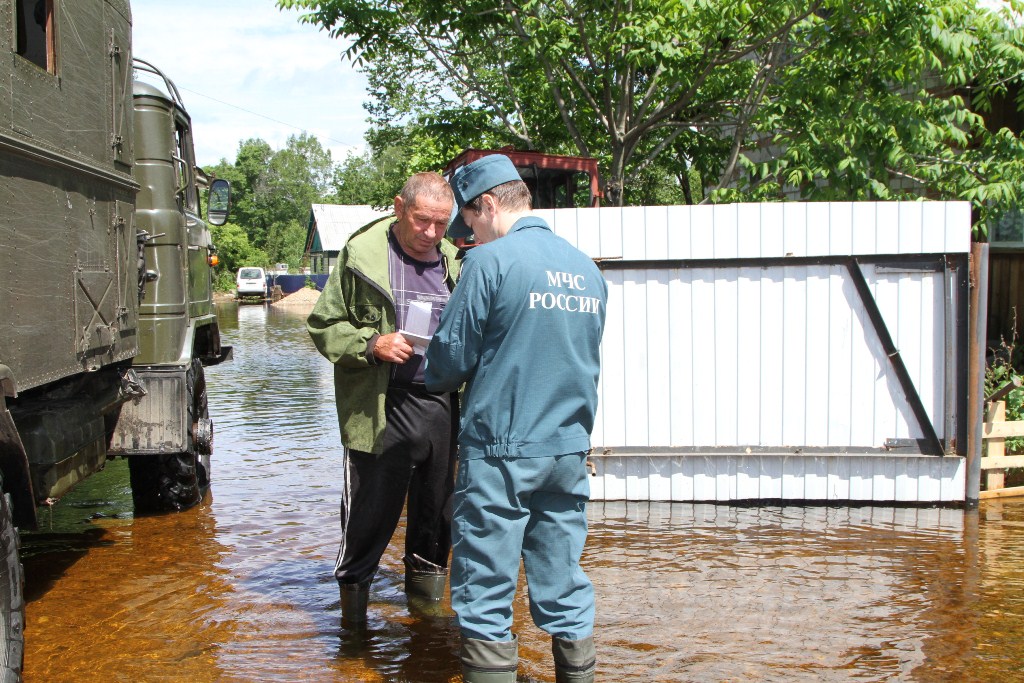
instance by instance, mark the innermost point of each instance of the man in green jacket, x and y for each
(398, 438)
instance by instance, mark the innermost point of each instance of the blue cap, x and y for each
(472, 180)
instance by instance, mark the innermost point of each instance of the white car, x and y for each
(251, 281)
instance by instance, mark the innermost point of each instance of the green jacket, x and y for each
(355, 306)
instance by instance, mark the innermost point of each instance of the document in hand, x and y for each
(417, 325)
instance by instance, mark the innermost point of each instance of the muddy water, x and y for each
(240, 588)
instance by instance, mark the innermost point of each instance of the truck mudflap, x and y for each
(225, 353)
(156, 422)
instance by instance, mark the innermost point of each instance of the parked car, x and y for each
(251, 281)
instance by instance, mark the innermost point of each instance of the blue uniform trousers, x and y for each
(529, 507)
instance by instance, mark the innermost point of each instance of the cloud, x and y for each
(246, 69)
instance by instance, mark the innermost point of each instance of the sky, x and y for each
(245, 69)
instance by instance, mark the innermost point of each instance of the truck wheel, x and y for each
(202, 428)
(12, 597)
(177, 481)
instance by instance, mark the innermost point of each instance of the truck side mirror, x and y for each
(219, 202)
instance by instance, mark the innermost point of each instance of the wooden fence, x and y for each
(995, 462)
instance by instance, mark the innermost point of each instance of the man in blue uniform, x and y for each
(522, 330)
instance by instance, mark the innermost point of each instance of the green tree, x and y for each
(272, 192)
(759, 97)
(234, 250)
(374, 177)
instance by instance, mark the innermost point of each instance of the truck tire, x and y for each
(172, 482)
(12, 597)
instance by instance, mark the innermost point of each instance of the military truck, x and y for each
(106, 316)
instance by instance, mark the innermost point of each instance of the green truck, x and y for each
(106, 312)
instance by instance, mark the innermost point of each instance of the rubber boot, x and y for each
(575, 660)
(354, 599)
(489, 661)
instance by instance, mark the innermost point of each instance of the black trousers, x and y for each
(417, 470)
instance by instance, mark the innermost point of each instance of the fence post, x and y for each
(977, 321)
(996, 446)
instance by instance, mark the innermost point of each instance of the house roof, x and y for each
(330, 225)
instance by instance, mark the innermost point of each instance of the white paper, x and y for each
(417, 325)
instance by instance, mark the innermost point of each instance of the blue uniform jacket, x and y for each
(522, 329)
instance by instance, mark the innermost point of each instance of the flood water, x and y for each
(240, 588)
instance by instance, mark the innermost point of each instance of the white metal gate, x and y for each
(789, 351)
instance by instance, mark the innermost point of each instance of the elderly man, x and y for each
(398, 438)
(522, 330)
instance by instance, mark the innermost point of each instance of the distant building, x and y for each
(329, 227)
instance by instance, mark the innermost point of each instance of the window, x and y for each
(1008, 229)
(185, 164)
(35, 33)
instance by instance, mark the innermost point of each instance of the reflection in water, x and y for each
(240, 588)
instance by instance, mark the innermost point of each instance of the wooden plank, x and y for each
(996, 447)
(1003, 430)
(1011, 492)
(1002, 462)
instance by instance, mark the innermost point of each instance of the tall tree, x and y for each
(758, 96)
(273, 190)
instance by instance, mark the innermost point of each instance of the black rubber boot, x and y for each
(489, 661)
(354, 599)
(575, 660)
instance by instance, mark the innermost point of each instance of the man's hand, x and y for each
(392, 348)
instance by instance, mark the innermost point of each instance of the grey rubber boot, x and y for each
(424, 579)
(354, 599)
(575, 660)
(490, 661)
